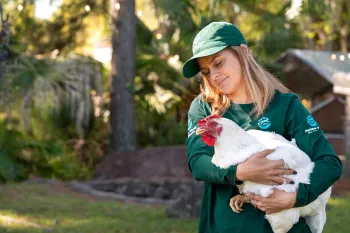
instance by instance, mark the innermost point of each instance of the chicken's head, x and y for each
(210, 129)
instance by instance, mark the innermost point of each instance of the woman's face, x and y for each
(223, 71)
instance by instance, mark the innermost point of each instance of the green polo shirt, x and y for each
(286, 116)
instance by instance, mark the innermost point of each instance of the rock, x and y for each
(162, 193)
(189, 202)
(182, 196)
(106, 187)
(148, 163)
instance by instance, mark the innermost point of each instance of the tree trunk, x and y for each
(4, 42)
(123, 135)
(343, 25)
(344, 39)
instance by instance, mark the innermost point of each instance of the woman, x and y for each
(237, 87)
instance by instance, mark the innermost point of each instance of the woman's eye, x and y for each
(218, 64)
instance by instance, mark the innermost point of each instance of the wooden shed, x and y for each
(313, 75)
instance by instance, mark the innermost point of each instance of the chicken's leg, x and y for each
(237, 202)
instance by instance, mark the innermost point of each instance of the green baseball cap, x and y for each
(213, 38)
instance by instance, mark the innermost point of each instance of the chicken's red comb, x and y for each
(203, 121)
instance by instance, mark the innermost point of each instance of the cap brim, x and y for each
(191, 67)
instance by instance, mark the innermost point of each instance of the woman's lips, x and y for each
(222, 81)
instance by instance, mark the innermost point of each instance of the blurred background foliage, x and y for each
(54, 71)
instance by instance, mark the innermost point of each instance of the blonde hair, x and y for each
(260, 84)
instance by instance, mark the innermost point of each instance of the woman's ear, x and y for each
(245, 48)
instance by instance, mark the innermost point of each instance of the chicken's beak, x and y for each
(200, 131)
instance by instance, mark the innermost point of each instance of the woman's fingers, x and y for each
(254, 203)
(279, 173)
(258, 204)
(290, 172)
(265, 171)
(278, 163)
(275, 183)
(282, 171)
(265, 153)
(253, 196)
(277, 180)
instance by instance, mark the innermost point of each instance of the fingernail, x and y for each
(291, 182)
(295, 172)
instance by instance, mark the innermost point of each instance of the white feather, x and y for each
(234, 146)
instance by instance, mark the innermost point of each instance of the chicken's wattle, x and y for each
(208, 139)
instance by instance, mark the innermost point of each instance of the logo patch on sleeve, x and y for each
(191, 129)
(189, 124)
(311, 121)
(314, 126)
(264, 123)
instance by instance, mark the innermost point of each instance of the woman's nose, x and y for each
(215, 76)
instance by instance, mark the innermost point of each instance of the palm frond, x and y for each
(53, 85)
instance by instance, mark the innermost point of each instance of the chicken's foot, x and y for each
(237, 202)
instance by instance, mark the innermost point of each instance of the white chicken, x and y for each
(233, 145)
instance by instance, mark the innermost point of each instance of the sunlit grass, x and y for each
(36, 208)
(338, 215)
(39, 208)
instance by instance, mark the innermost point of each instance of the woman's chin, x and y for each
(226, 91)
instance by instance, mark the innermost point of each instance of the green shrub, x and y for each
(23, 155)
(10, 170)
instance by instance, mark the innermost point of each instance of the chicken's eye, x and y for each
(212, 124)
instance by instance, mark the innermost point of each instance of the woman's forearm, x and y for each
(327, 170)
(203, 169)
(241, 173)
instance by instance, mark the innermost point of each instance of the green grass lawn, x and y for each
(38, 208)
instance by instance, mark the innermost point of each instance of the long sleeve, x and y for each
(203, 170)
(309, 137)
(199, 154)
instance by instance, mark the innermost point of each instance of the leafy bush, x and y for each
(22, 155)
(158, 128)
(10, 170)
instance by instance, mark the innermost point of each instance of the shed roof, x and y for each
(326, 103)
(309, 71)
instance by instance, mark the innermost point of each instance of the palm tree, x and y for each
(53, 88)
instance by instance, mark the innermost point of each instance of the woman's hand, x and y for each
(276, 202)
(259, 169)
